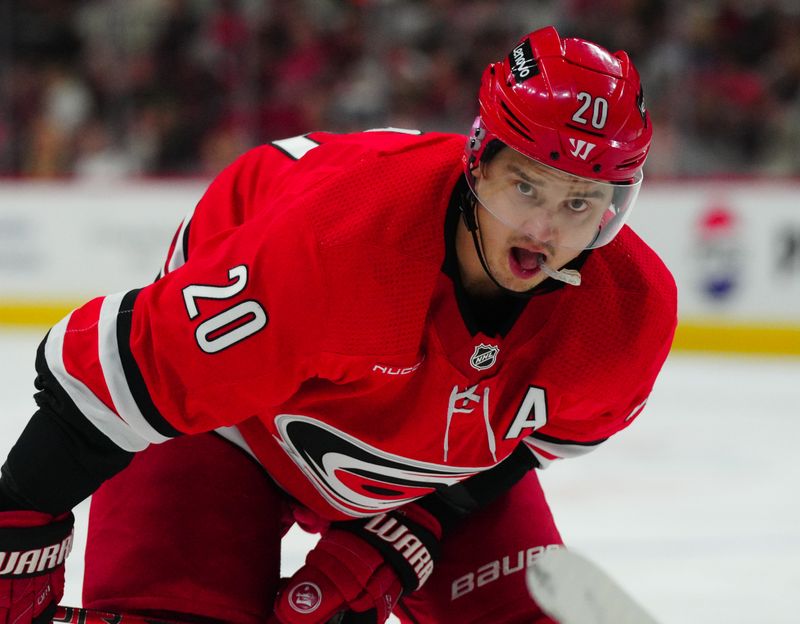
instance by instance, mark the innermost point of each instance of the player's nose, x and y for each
(540, 224)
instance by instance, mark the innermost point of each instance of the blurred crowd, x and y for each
(114, 88)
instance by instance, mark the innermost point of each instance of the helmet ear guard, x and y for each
(481, 146)
(474, 146)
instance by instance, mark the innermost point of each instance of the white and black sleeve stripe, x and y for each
(136, 423)
(74, 441)
(139, 410)
(179, 250)
(547, 449)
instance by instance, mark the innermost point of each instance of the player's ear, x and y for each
(480, 171)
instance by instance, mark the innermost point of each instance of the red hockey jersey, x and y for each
(303, 313)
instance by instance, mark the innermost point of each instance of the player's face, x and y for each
(530, 213)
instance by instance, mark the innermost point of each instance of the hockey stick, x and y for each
(573, 590)
(75, 615)
(567, 586)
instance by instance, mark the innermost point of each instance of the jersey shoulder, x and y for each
(631, 267)
(252, 183)
(375, 204)
(363, 211)
(622, 318)
(613, 333)
(318, 155)
(380, 189)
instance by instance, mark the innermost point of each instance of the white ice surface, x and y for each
(694, 509)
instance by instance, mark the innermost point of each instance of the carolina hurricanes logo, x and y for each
(305, 597)
(354, 477)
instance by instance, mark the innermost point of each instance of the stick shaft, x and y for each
(76, 615)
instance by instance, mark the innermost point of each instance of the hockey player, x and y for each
(377, 336)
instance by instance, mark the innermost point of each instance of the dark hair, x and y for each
(491, 150)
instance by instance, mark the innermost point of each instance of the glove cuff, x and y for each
(407, 546)
(34, 550)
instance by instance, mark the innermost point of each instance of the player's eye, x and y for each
(526, 189)
(577, 205)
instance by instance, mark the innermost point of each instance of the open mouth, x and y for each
(524, 263)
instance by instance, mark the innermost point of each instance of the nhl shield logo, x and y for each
(484, 356)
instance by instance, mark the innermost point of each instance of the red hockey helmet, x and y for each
(571, 105)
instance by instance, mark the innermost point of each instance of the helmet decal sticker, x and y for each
(522, 63)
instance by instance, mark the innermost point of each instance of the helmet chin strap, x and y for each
(469, 211)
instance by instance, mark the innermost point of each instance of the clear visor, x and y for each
(551, 206)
